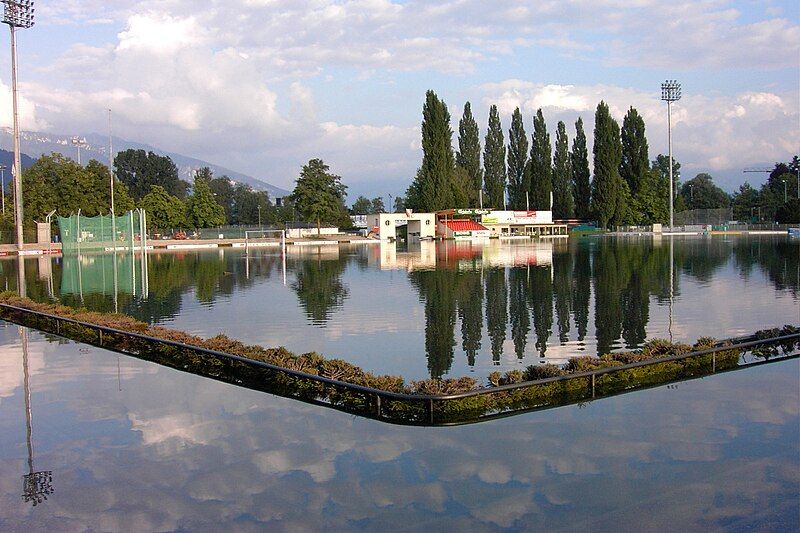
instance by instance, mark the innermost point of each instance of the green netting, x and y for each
(80, 234)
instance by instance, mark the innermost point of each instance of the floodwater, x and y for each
(115, 443)
(120, 444)
(445, 309)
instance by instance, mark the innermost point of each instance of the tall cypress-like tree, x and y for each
(606, 186)
(494, 162)
(517, 161)
(580, 172)
(562, 176)
(635, 158)
(433, 187)
(468, 156)
(541, 169)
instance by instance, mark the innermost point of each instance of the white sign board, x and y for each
(518, 217)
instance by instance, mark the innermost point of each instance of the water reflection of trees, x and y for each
(622, 275)
(319, 287)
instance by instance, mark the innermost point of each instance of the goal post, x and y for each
(265, 238)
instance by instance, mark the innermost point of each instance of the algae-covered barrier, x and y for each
(336, 383)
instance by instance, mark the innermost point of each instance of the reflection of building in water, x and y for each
(463, 255)
(36, 486)
(419, 255)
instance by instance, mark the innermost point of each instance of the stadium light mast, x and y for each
(17, 14)
(670, 92)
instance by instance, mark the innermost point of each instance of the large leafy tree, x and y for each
(102, 184)
(319, 195)
(701, 192)
(164, 211)
(434, 183)
(635, 157)
(222, 188)
(562, 176)
(745, 202)
(250, 207)
(202, 211)
(541, 169)
(494, 162)
(140, 170)
(607, 183)
(579, 158)
(661, 165)
(518, 185)
(362, 206)
(468, 156)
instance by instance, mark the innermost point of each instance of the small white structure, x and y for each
(421, 226)
(523, 223)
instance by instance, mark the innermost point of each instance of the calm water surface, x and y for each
(132, 446)
(446, 309)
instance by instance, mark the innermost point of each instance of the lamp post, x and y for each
(3, 186)
(785, 198)
(670, 92)
(78, 143)
(259, 216)
(17, 14)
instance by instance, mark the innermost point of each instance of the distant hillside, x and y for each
(36, 144)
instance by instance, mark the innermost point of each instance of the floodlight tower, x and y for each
(670, 92)
(17, 14)
(79, 143)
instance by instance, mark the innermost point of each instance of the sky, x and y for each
(262, 86)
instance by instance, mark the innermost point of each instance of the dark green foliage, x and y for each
(246, 203)
(562, 291)
(745, 202)
(362, 206)
(652, 202)
(202, 211)
(164, 211)
(468, 156)
(470, 306)
(635, 162)
(433, 187)
(563, 206)
(494, 163)
(661, 165)
(541, 303)
(581, 290)
(540, 165)
(518, 184)
(140, 170)
(607, 184)
(579, 158)
(437, 288)
(223, 190)
(319, 195)
(700, 192)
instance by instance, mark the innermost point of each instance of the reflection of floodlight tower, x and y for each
(78, 143)
(17, 14)
(670, 92)
(36, 486)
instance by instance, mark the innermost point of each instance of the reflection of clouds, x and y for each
(188, 453)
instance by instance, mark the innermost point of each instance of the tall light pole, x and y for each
(111, 171)
(17, 14)
(785, 197)
(670, 92)
(79, 143)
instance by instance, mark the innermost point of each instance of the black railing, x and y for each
(404, 408)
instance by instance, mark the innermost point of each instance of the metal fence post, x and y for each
(592, 385)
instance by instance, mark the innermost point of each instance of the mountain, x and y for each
(7, 160)
(36, 143)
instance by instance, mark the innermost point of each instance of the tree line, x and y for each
(533, 173)
(143, 179)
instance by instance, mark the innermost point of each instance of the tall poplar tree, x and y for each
(434, 184)
(517, 161)
(562, 176)
(580, 171)
(541, 169)
(494, 162)
(606, 186)
(635, 158)
(468, 156)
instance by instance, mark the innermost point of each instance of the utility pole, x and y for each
(3, 186)
(111, 171)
